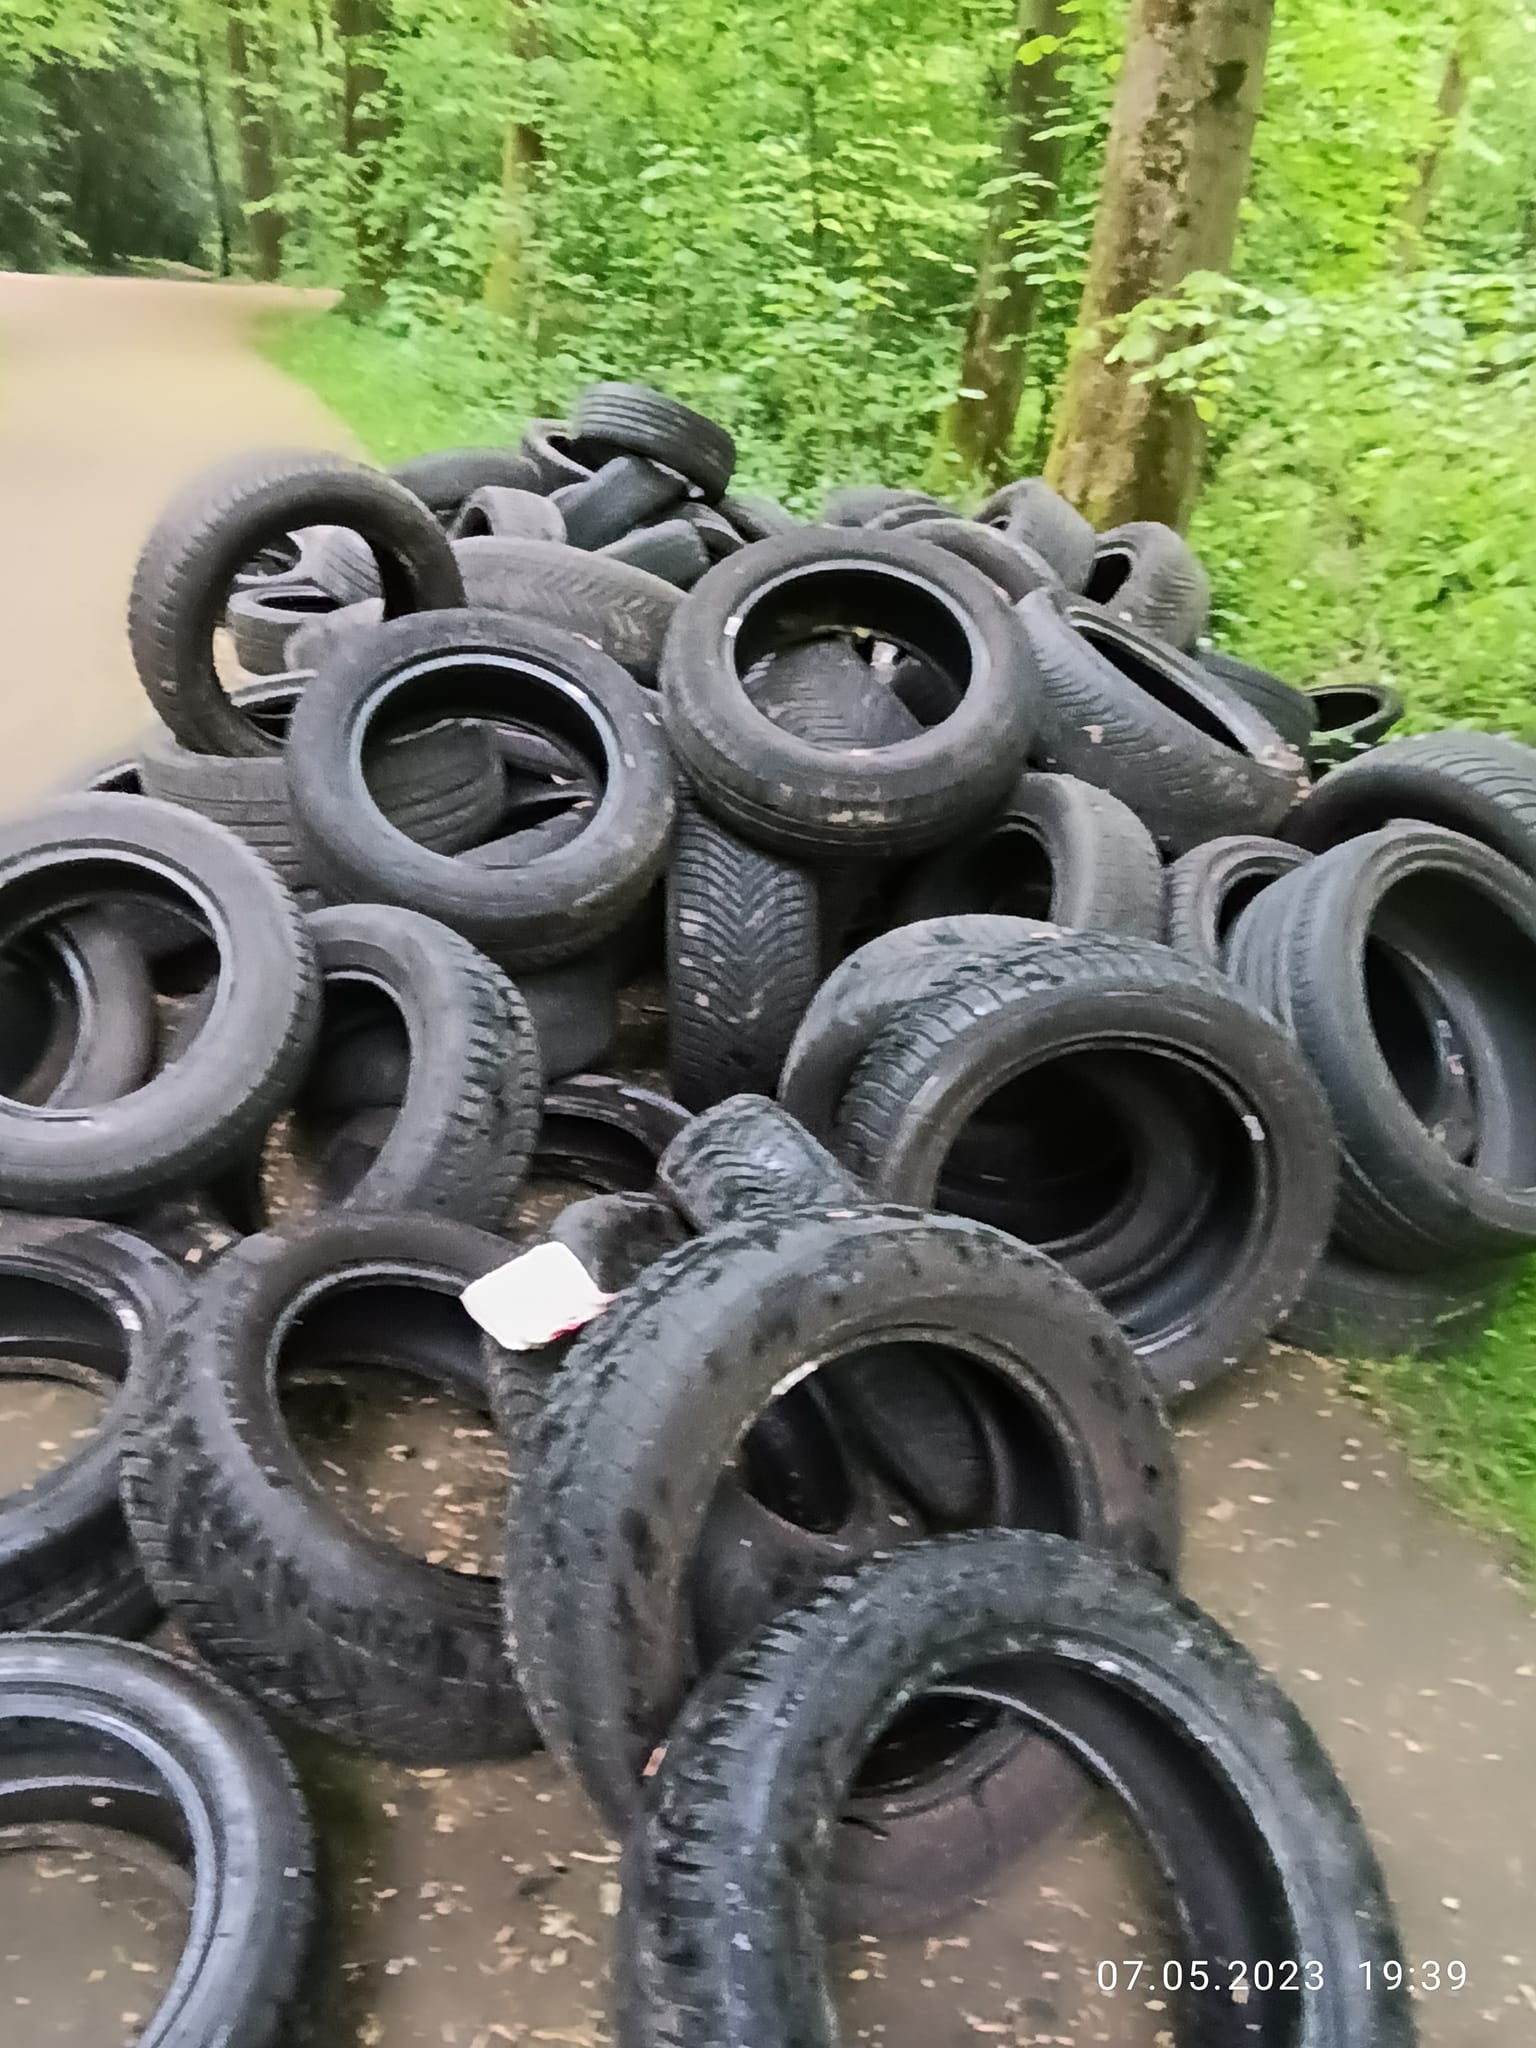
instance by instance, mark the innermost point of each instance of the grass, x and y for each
(1469, 1423)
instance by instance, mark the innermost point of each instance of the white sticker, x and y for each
(540, 1295)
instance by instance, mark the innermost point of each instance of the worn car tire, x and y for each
(1130, 715)
(1210, 887)
(1350, 719)
(77, 1013)
(277, 1590)
(202, 1112)
(1061, 851)
(262, 621)
(217, 523)
(1373, 955)
(524, 912)
(1477, 783)
(443, 479)
(512, 515)
(747, 1158)
(101, 1734)
(81, 1302)
(784, 792)
(1289, 710)
(621, 609)
(870, 986)
(1146, 575)
(1030, 512)
(635, 420)
(1349, 1310)
(729, 1871)
(1062, 1009)
(627, 1457)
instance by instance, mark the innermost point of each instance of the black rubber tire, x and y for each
(1029, 511)
(756, 517)
(575, 1011)
(747, 1159)
(525, 913)
(218, 522)
(616, 1237)
(1259, 1119)
(857, 504)
(672, 550)
(626, 1459)
(340, 561)
(468, 1115)
(1128, 714)
(1062, 852)
(1350, 719)
(204, 1112)
(619, 608)
(262, 621)
(442, 786)
(557, 456)
(744, 958)
(1476, 783)
(81, 997)
(826, 692)
(112, 1735)
(1014, 566)
(1210, 888)
(725, 1881)
(1147, 576)
(861, 996)
(85, 1303)
(636, 420)
(514, 515)
(1349, 1310)
(606, 1134)
(1289, 710)
(786, 793)
(1464, 919)
(281, 1594)
(625, 493)
(443, 479)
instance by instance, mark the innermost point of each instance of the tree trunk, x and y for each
(211, 153)
(1174, 176)
(258, 177)
(978, 426)
(508, 274)
(1461, 62)
(367, 128)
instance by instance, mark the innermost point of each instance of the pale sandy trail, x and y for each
(113, 392)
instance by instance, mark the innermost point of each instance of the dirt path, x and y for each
(113, 391)
(473, 1905)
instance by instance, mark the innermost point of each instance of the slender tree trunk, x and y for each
(258, 176)
(1461, 62)
(979, 425)
(211, 153)
(367, 129)
(508, 275)
(1180, 143)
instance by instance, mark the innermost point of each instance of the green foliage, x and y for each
(1471, 1422)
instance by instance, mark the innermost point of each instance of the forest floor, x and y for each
(469, 1907)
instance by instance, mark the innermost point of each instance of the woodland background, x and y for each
(793, 216)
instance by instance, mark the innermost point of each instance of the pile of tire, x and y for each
(1056, 1009)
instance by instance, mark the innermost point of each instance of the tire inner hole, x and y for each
(413, 1464)
(886, 1443)
(1158, 681)
(1238, 895)
(1132, 1166)
(113, 1912)
(1010, 873)
(1338, 708)
(1109, 574)
(50, 1411)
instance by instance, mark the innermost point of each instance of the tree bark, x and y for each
(258, 175)
(507, 275)
(1461, 62)
(978, 426)
(211, 153)
(367, 128)
(1180, 143)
